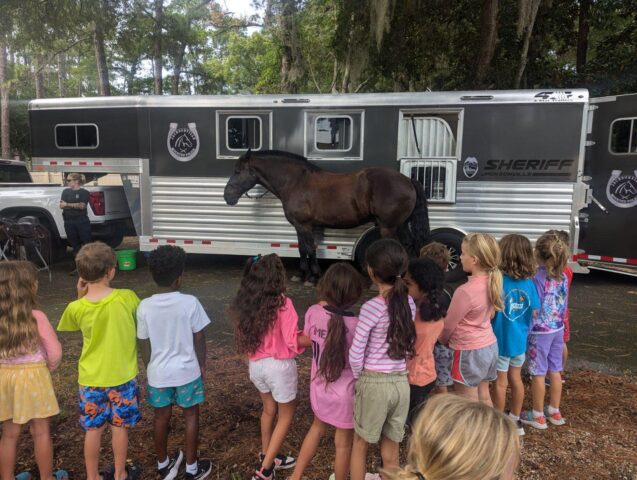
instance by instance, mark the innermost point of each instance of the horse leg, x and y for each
(307, 248)
(303, 255)
(315, 270)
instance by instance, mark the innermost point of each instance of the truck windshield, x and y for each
(14, 174)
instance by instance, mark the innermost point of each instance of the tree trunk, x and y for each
(130, 78)
(157, 63)
(4, 104)
(489, 29)
(62, 74)
(582, 36)
(100, 58)
(177, 70)
(526, 20)
(291, 56)
(39, 78)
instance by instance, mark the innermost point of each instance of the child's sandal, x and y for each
(61, 474)
(133, 472)
(24, 476)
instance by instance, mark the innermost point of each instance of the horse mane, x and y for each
(293, 157)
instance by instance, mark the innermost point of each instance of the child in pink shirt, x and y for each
(29, 350)
(329, 329)
(468, 328)
(425, 281)
(266, 329)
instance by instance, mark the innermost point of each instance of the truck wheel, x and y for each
(453, 241)
(56, 246)
(114, 240)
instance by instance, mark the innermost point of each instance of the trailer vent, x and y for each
(295, 100)
(473, 98)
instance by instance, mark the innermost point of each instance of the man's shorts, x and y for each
(185, 396)
(381, 406)
(544, 352)
(114, 405)
(471, 367)
(505, 362)
(276, 376)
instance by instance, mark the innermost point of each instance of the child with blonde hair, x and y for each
(511, 325)
(456, 438)
(443, 356)
(266, 329)
(468, 328)
(107, 368)
(546, 338)
(329, 329)
(29, 350)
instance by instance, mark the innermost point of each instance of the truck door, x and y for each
(608, 227)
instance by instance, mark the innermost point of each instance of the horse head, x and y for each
(242, 180)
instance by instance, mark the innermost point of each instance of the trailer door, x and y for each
(427, 151)
(608, 230)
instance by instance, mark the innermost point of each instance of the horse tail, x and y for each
(414, 233)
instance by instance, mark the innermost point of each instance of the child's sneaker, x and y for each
(204, 468)
(170, 471)
(281, 462)
(263, 474)
(527, 418)
(520, 428)
(555, 418)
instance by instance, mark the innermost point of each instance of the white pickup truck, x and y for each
(19, 197)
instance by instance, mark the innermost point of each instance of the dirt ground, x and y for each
(600, 404)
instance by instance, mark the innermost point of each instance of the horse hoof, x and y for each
(307, 283)
(295, 279)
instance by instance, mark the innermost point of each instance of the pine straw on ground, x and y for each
(599, 440)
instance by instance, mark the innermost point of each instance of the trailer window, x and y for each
(72, 136)
(333, 133)
(623, 136)
(243, 133)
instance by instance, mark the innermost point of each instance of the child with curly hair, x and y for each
(266, 329)
(170, 329)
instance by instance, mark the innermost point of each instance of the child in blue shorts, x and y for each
(108, 363)
(170, 328)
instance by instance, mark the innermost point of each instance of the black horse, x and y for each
(313, 197)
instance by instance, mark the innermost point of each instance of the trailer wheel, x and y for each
(56, 246)
(453, 241)
(361, 248)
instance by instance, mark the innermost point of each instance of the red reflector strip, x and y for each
(275, 245)
(83, 163)
(606, 258)
(153, 240)
(39, 168)
(53, 163)
(98, 163)
(331, 247)
(68, 163)
(294, 245)
(631, 261)
(206, 242)
(188, 242)
(171, 241)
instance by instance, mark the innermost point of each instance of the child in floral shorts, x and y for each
(108, 363)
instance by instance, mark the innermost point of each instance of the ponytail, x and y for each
(553, 252)
(401, 335)
(495, 288)
(332, 360)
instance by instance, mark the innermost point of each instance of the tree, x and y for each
(489, 29)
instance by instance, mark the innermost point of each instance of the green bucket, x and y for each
(126, 259)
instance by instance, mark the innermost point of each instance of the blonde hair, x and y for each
(77, 176)
(94, 261)
(438, 252)
(18, 327)
(552, 251)
(485, 248)
(455, 438)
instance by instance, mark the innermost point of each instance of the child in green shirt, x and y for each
(108, 363)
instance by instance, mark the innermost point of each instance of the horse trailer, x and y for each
(499, 162)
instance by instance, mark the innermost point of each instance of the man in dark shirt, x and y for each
(73, 203)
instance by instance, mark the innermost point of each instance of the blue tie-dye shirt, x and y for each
(554, 302)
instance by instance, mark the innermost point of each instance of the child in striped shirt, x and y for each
(383, 340)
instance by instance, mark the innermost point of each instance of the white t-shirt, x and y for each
(169, 321)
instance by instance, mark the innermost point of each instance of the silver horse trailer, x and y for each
(491, 161)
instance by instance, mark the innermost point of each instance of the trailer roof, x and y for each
(320, 100)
